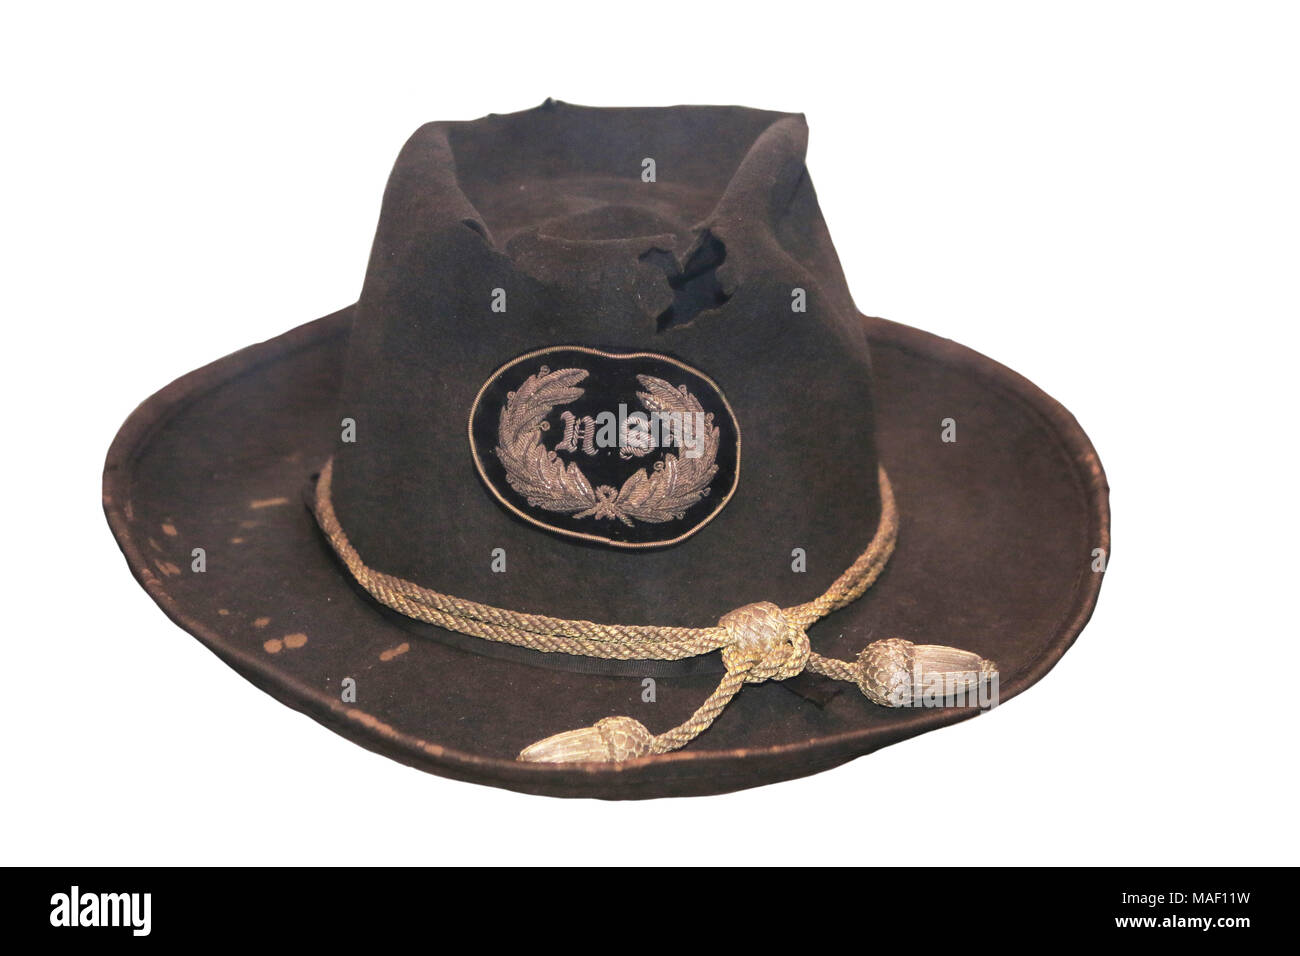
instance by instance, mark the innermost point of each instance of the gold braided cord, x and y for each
(703, 717)
(536, 631)
(833, 668)
(587, 638)
(744, 664)
(854, 582)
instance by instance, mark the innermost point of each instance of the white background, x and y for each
(1102, 196)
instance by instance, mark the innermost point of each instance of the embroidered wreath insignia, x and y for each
(655, 495)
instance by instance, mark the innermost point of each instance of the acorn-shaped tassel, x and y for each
(611, 740)
(895, 672)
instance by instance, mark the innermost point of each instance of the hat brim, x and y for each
(996, 551)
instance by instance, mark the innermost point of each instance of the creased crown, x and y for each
(715, 252)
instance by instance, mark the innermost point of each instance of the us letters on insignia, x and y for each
(631, 450)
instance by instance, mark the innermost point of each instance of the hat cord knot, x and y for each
(763, 643)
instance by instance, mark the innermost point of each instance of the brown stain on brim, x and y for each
(392, 652)
(289, 642)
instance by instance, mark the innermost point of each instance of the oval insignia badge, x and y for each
(633, 450)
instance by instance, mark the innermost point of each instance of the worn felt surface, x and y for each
(993, 555)
(997, 529)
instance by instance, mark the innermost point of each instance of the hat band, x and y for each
(758, 642)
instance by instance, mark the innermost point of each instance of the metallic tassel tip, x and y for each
(611, 740)
(897, 673)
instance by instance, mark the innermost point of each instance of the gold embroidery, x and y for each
(656, 495)
(578, 430)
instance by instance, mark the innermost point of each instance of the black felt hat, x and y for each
(604, 487)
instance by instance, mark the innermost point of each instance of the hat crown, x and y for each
(689, 232)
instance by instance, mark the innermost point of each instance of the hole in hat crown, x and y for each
(695, 287)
